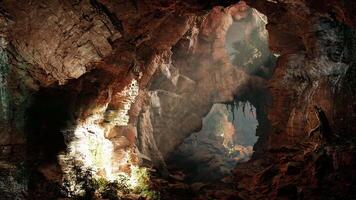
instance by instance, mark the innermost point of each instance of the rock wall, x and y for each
(82, 64)
(103, 69)
(316, 53)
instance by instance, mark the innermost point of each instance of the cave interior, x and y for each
(178, 99)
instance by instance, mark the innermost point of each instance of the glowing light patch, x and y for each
(88, 145)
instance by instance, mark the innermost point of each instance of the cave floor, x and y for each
(176, 187)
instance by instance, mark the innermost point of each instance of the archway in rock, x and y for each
(226, 138)
(247, 45)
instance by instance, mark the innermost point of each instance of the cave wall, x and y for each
(315, 44)
(91, 60)
(108, 57)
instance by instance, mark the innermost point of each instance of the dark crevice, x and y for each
(211, 4)
(49, 115)
(49, 111)
(101, 8)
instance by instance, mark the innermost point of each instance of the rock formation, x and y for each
(112, 85)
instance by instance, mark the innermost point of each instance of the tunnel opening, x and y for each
(247, 45)
(226, 138)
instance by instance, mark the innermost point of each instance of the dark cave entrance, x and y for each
(50, 113)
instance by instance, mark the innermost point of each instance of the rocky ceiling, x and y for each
(109, 85)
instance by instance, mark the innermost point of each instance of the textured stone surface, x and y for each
(105, 45)
(314, 58)
(60, 39)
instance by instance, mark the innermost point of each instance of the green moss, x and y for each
(112, 189)
(142, 184)
(14, 90)
(4, 93)
(84, 184)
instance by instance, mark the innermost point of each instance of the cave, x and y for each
(228, 131)
(226, 138)
(178, 99)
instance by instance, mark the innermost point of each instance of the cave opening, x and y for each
(233, 124)
(232, 132)
(247, 45)
(226, 138)
(173, 99)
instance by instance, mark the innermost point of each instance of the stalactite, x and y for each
(231, 108)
